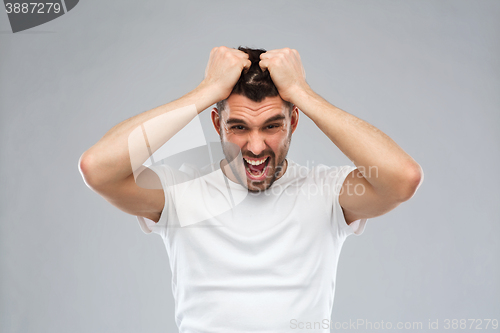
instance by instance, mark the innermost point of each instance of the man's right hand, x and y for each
(224, 68)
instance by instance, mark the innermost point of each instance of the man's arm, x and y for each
(108, 166)
(387, 175)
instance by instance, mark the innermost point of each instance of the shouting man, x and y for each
(254, 245)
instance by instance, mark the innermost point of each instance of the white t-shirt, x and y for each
(243, 262)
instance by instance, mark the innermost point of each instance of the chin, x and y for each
(261, 186)
(258, 189)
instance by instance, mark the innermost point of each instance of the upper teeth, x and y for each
(255, 162)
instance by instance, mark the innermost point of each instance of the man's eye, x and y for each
(274, 126)
(238, 128)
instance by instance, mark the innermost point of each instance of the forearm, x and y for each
(124, 148)
(385, 165)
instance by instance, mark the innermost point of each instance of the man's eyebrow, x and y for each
(235, 121)
(275, 118)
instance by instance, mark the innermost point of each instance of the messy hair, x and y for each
(254, 83)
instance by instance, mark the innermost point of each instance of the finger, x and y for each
(243, 59)
(240, 53)
(273, 51)
(264, 63)
(247, 65)
(276, 53)
(267, 55)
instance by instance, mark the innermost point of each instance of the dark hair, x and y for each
(254, 83)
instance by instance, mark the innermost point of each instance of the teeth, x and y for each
(255, 162)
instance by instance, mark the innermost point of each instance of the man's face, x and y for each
(262, 131)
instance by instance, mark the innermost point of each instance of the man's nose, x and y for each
(256, 143)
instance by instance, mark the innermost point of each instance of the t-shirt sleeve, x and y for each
(166, 176)
(357, 227)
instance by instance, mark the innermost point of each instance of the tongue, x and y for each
(256, 169)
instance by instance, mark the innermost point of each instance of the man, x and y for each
(254, 245)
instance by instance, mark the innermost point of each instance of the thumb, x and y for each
(263, 64)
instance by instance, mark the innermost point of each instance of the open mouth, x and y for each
(256, 169)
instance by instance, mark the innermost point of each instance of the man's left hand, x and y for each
(286, 71)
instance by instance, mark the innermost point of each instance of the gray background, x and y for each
(425, 72)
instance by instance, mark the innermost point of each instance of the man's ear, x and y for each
(215, 119)
(295, 118)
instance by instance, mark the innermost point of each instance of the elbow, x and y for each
(413, 178)
(85, 167)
